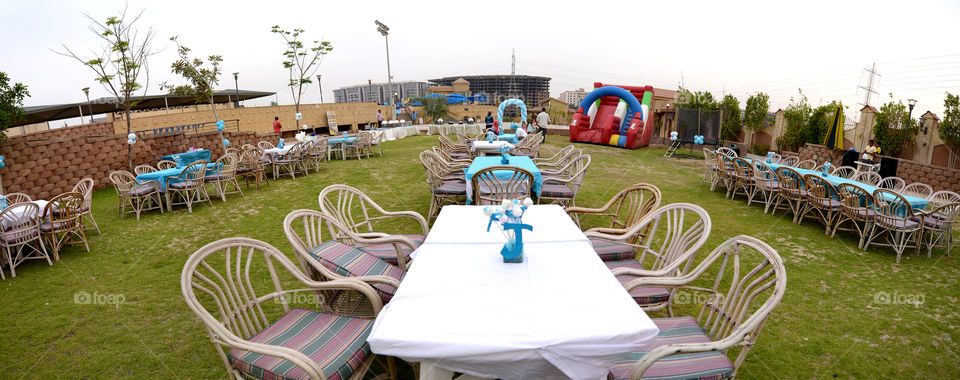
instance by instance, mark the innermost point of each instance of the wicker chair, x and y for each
(776, 158)
(670, 238)
(726, 173)
(766, 184)
(625, 210)
(445, 186)
(844, 172)
(737, 306)
(362, 216)
(559, 159)
(85, 187)
(789, 161)
(895, 221)
(251, 167)
(376, 141)
(791, 192)
(857, 209)
(318, 154)
(165, 164)
(896, 184)
(328, 259)
(918, 190)
(457, 151)
(938, 227)
(944, 197)
(450, 160)
(743, 179)
(265, 145)
(563, 189)
(140, 196)
(20, 232)
(188, 185)
(250, 321)
(14, 198)
(143, 169)
(489, 189)
(806, 164)
(869, 178)
(822, 201)
(224, 176)
(359, 147)
(61, 222)
(727, 152)
(710, 167)
(289, 161)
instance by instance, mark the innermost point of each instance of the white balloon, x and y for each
(488, 211)
(527, 202)
(506, 203)
(132, 136)
(517, 212)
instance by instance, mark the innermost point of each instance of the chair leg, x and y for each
(83, 236)
(89, 213)
(13, 271)
(43, 249)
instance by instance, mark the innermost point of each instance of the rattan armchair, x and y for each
(188, 185)
(359, 147)
(938, 227)
(857, 210)
(445, 186)
(710, 167)
(895, 184)
(252, 167)
(14, 198)
(559, 159)
(358, 213)
(918, 190)
(491, 189)
(766, 185)
(290, 161)
(726, 173)
(61, 222)
(822, 203)
(20, 236)
(727, 152)
(140, 196)
(624, 210)
(895, 221)
(748, 281)
(562, 189)
(791, 192)
(844, 172)
(789, 161)
(223, 176)
(249, 318)
(869, 178)
(85, 187)
(450, 160)
(743, 181)
(806, 164)
(143, 169)
(457, 151)
(318, 154)
(265, 145)
(376, 142)
(164, 165)
(666, 242)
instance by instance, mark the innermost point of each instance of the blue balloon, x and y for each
(226, 142)
(2, 158)
(3, 164)
(220, 125)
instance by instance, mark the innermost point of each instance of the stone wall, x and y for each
(42, 166)
(938, 177)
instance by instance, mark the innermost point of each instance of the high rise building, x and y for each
(380, 92)
(531, 89)
(573, 98)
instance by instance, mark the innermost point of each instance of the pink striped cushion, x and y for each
(349, 261)
(338, 344)
(644, 296)
(551, 190)
(701, 365)
(612, 251)
(452, 188)
(388, 253)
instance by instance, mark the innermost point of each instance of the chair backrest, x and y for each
(559, 155)
(744, 168)
(443, 154)
(233, 286)
(948, 214)
(143, 169)
(350, 207)
(123, 181)
(789, 161)
(632, 204)
(806, 164)
(790, 179)
(944, 197)
(917, 189)
(64, 211)
(892, 208)
(763, 174)
(748, 281)
(893, 183)
(844, 172)
(727, 152)
(227, 164)
(14, 198)
(320, 146)
(193, 173)
(726, 167)
(856, 201)
(489, 188)
(671, 236)
(577, 169)
(165, 164)
(265, 145)
(776, 158)
(709, 157)
(869, 178)
(818, 189)
(85, 187)
(21, 221)
(432, 164)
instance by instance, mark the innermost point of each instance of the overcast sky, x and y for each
(737, 47)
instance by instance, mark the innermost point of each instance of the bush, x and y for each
(761, 149)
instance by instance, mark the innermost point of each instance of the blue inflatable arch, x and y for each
(612, 91)
(508, 102)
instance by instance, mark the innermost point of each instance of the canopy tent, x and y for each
(40, 114)
(477, 98)
(834, 138)
(456, 98)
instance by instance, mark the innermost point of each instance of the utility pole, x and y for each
(384, 30)
(870, 85)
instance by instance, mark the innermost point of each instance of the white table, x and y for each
(18, 213)
(559, 314)
(485, 147)
(452, 129)
(268, 154)
(396, 133)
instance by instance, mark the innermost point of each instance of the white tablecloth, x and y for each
(489, 147)
(268, 154)
(19, 212)
(390, 134)
(559, 314)
(452, 129)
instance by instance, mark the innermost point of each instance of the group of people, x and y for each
(539, 125)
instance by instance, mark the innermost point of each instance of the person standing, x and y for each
(489, 120)
(277, 127)
(542, 120)
(379, 119)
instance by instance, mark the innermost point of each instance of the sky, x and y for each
(725, 47)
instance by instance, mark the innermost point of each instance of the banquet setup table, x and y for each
(522, 162)
(461, 308)
(18, 212)
(269, 154)
(452, 129)
(396, 133)
(339, 144)
(188, 157)
(483, 147)
(162, 175)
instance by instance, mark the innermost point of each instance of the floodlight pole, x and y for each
(86, 91)
(385, 31)
(321, 88)
(910, 103)
(236, 85)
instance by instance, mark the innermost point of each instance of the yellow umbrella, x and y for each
(834, 139)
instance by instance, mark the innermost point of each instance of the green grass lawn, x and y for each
(833, 321)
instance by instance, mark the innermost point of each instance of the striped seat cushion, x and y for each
(700, 365)
(349, 261)
(551, 190)
(612, 251)
(185, 184)
(643, 295)
(338, 344)
(141, 190)
(452, 188)
(388, 253)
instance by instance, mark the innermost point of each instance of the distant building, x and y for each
(380, 92)
(573, 98)
(530, 89)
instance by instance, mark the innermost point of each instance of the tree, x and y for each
(700, 99)
(202, 79)
(819, 123)
(435, 107)
(893, 128)
(300, 60)
(756, 112)
(731, 117)
(11, 104)
(950, 125)
(796, 116)
(121, 62)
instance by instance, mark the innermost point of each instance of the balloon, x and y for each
(131, 142)
(220, 125)
(226, 142)
(506, 203)
(3, 164)
(528, 202)
(517, 212)
(132, 136)
(488, 211)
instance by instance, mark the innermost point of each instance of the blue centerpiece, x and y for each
(509, 216)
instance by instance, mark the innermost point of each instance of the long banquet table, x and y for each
(559, 314)
(522, 162)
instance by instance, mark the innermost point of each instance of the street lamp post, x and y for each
(86, 91)
(236, 84)
(321, 88)
(384, 30)
(910, 104)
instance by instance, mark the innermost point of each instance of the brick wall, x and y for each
(938, 177)
(74, 131)
(45, 167)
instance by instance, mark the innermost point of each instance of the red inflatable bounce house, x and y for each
(613, 115)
